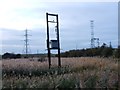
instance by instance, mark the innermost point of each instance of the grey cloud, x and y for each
(74, 23)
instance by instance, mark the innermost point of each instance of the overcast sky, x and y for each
(74, 24)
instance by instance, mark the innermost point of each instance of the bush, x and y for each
(91, 81)
(42, 59)
(67, 83)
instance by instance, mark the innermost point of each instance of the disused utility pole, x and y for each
(55, 44)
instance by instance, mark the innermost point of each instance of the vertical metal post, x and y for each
(59, 61)
(92, 34)
(98, 42)
(48, 46)
(26, 42)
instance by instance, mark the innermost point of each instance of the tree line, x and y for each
(15, 56)
(103, 51)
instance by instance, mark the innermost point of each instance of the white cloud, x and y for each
(12, 19)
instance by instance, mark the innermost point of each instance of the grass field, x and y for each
(83, 72)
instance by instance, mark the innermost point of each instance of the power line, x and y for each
(26, 45)
(92, 33)
(93, 39)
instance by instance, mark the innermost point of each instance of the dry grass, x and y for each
(81, 72)
(100, 63)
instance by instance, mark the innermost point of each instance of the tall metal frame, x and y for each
(97, 39)
(48, 38)
(92, 33)
(26, 40)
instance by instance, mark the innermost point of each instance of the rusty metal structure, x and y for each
(55, 44)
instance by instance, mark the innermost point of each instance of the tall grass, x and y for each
(84, 72)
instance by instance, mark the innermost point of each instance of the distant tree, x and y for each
(18, 55)
(119, 52)
(10, 56)
(104, 45)
(116, 53)
(6, 55)
(103, 51)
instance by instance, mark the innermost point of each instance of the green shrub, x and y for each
(90, 82)
(67, 83)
